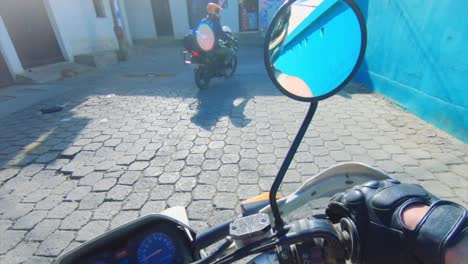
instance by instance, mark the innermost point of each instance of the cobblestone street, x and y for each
(139, 137)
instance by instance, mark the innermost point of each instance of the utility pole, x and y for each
(118, 30)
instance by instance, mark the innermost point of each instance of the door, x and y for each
(162, 17)
(248, 15)
(30, 30)
(196, 11)
(5, 77)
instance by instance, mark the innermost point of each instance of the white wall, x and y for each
(64, 44)
(81, 31)
(8, 51)
(230, 16)
(180, 20)
(126, 27)
(140, 19)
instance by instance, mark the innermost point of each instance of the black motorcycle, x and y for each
(208, 64)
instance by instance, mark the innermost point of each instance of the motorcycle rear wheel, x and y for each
(201, 80)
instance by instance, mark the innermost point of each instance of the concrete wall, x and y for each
(180, 20)
(417, 56)
(79, 27)
(268, 9)
(126, 26)
(230, 16)
(140, 19)
(141, 22)
(8, 51)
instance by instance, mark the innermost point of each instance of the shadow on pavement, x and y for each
(29, 136)
(224, 98)
(152, 74)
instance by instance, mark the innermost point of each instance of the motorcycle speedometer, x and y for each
(156, 248)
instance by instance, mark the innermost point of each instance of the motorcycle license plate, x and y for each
(187, 58)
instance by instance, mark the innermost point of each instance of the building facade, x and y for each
(152, 19)
(41, 32)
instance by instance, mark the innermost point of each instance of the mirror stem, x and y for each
(287, 161)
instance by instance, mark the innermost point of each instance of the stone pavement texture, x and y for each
(129, 144)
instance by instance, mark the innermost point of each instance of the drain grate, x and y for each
(150, 75)
(32, 90)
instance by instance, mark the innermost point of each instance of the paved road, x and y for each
(129, 144)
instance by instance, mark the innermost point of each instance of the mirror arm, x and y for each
(279, 223)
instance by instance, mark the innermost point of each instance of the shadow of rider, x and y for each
(218, 101)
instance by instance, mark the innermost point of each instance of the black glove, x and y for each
(376, 208)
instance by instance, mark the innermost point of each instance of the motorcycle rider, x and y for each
(213, 21)
(403, 223)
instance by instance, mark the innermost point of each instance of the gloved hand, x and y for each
(376, 209)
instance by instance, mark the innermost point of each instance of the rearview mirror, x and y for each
(314, 47)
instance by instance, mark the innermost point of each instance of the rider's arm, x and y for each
(455, 254)
(402, 223)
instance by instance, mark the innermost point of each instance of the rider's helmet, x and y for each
(213, 9)
(227, 30)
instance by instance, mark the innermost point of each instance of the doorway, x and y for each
(31, 32)
(248, 15)
(5, 76)
(162, 18)
(196, 11)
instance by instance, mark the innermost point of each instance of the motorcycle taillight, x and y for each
(196, 54)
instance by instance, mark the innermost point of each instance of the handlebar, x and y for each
(325, 184)
(302, 241)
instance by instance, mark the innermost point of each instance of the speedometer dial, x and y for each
(156, 248)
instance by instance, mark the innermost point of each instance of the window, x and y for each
(99, 8)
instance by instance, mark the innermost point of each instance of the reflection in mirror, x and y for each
(314, 47)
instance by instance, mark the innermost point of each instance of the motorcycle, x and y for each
(206, 64)
(306, 59)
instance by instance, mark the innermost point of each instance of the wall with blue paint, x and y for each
(328, 54)
(417, 55)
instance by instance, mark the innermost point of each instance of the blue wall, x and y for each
(328, 61)
(417, 55)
